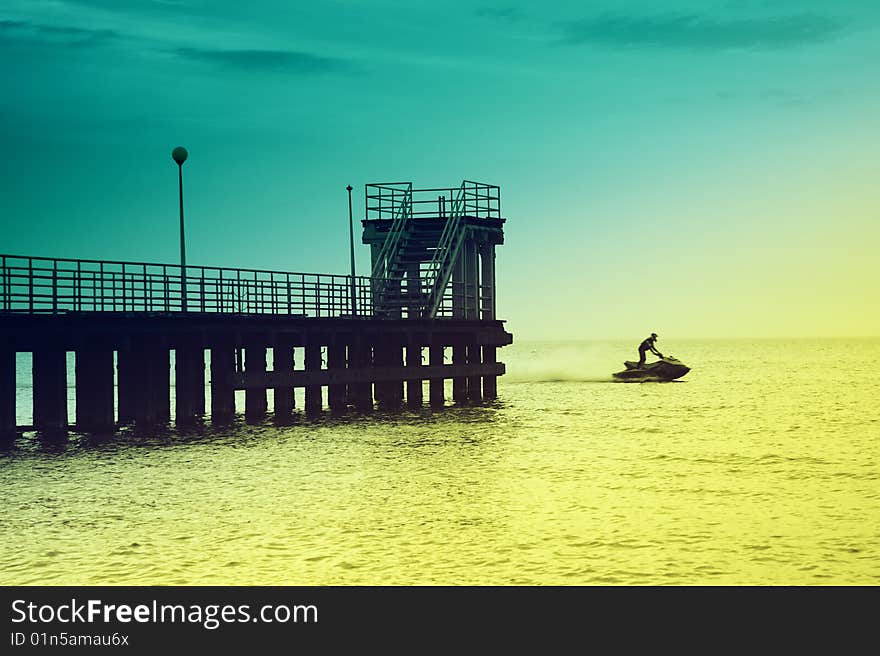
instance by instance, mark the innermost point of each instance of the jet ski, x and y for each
(666, 368)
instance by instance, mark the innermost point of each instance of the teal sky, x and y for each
(691, 168)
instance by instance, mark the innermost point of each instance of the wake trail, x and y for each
(561, 379)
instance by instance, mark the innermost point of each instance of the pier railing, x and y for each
(36, 285)
(42, 285)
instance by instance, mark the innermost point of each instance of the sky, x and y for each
(693, 168)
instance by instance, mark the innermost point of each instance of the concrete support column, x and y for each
(375, 249)
(359, 357)
(282, 355)
(436, 384)
(472, 279)
(255, 404)
(126, 370)
(50, 389)
(314, 396)
(189, 376)
(151, 381)
(487, 278)
(395, 387)
(414, 386)
(459, 285)
(7, 392)
(222, 391)
(474, 388)
(413, 291)
(490, 383)
(198, 382)
(94, 389)
(380, 359)
(336, 392)
(393, 293)
(386, 354)
(459, 383)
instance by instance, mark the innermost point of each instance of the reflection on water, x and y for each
(761, 466)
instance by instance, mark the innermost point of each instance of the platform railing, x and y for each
(479, 200)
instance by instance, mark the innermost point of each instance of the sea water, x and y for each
(758, 467)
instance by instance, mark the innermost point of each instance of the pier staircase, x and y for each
(390, 265)
(448, 245)
(416, 260)
(425, 248)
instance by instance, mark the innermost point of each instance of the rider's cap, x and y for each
(653, 334)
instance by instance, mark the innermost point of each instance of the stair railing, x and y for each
(391, 247)
(440, 267)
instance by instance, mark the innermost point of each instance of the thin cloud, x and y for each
(69, 37)
(690, 31)
(75, 37)
(504, 14)
(278, 61)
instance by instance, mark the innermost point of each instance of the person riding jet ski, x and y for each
(665, 369)
(648, 345)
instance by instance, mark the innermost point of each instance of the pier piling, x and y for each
(151, 380)
(7, 392)
(474, 391)
(380, 388)
(359, 357)
(282, 356)
(94, 389)
(490, 383)
(459, 383)
(336, 391)
(436, 392)
(388, 353)
(222, 390)
(255, 404)
(395, 388)
(189, 376)
(125, 384)
(50, 389)
(414, 385)
(314, 397)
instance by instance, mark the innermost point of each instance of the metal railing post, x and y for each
(165, 287)
(31, 285)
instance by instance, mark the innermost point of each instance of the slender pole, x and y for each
(179, 155)
(351, 248)
(182, 241)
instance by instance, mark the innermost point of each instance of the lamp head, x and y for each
(179, 155)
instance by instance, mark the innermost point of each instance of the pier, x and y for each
(424, 315)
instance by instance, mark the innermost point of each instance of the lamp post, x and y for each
(179, 155)
(351, 249)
